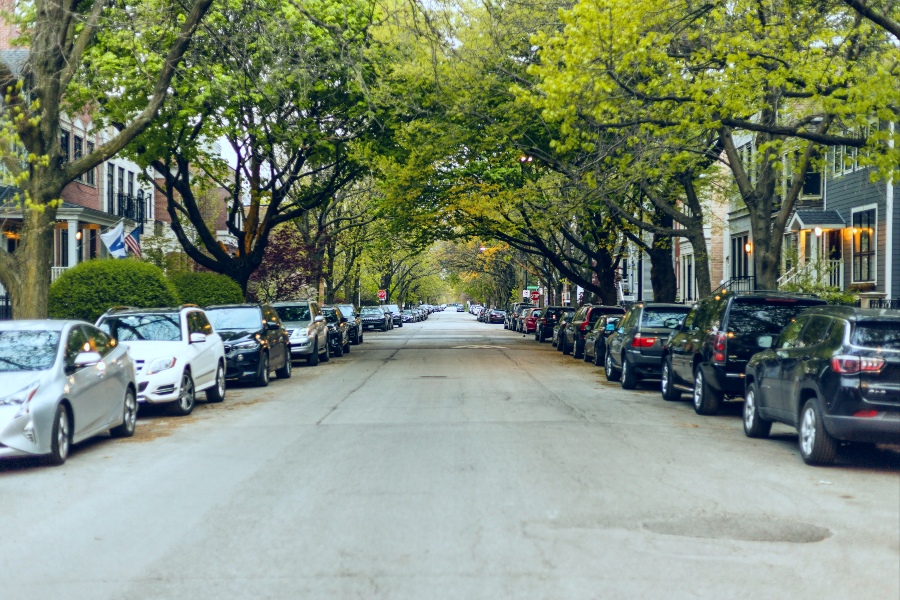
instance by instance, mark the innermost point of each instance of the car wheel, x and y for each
(598, 359)
(262, 378)
(360, 338)
(565, 345)
(327, 355)
(706, 400)
(817, 447)
(313, 359)
(577, 349)
(629, 375)
(339, 349)
(285, 371)
(61, 437)
(666, 384)
(584, 354)
(539, 336)
(129, 416)
(217, 392)
(186, 397)
(347, 347)
(612, 374)
(754, 425)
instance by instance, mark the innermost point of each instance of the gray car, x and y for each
(63, 382)
(306, 327)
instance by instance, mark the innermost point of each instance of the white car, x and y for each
(176, 354)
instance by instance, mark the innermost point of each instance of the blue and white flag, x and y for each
(115, 240)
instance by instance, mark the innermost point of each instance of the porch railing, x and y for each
(885, 303)
(55, 272)
(131, 207)
(830, 272)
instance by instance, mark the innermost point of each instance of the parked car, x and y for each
(595, 340)
(338, 330)
(634, 350)
(497, 317)
(176, 354)
(396, 315)
(834, 375)
(306, 330)
(548, 320)
(408, 315)
(389, 314)
(708, 353)
(559, 329)
(583, 321)
(512, 315)
(374, 318)
(63, 382)
(530, 320)
(460, 308)
(355, 322)
(255, 341)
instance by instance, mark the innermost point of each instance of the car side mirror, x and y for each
(765, 341)
(319, 319)
(198, 338)
(344, 319)
(87, 359)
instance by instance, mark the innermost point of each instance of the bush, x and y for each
(89, 289)
(204, 289)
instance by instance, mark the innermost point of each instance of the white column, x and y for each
(889, 231)
(73, 243)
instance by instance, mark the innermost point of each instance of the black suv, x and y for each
(833, 374)
(548, 321)
(255, 341)
(353, 318)
(635, 348)
(582, 322)
(338, 330)
(708, 352)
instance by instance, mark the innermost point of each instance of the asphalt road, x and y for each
(449, 459)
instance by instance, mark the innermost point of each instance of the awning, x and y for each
(67, 211)
(810, 219)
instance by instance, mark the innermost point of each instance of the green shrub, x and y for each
(89, 289)
(205, 289)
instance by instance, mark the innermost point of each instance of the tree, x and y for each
(63, 38)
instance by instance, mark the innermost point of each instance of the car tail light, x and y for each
(719, 348)
(642, 341)
(847, 364)
(866, 414)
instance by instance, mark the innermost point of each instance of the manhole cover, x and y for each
(748, 528)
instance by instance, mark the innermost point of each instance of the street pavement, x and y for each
(449, 459)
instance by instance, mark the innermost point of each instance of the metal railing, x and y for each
(131, 207)
(830, 272)
(893, 304)
(745, 283)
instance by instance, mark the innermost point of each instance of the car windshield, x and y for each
(667, 317)
(156, 327)
(299, 312)
(371, 311)
(330, 315)
(29, 350)
(346, 310)
(884, 334)
(765, 315)
(235, 318)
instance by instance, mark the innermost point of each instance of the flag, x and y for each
(133, 240)
(113, 239)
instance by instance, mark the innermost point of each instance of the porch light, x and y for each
(748, 247)
(78, 235)
(818, 231)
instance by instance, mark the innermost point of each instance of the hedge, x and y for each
(90, 288)
(205, 289)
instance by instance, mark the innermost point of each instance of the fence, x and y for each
(5, 308)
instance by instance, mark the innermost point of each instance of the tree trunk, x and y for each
(29, 286)
(662, 271)
(766, 250)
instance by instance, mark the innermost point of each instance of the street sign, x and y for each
(526, 294)
(535, 295)
(533, 287)
(382, 295)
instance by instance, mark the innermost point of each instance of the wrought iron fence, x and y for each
(885, 303)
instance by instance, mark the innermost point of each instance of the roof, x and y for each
(15, 59)
(68, 210)
(810, 219)
(854, 313)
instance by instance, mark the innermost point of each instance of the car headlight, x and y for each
(248, 345)
(22, 396)
(160, 364)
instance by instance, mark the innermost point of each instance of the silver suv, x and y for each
(305, 324)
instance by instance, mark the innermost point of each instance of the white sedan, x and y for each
(176, 354)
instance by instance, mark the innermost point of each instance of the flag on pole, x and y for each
(113, 239)
(133, 240)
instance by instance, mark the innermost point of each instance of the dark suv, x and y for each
(834, 374)
(583, 321)
(635, 348)
(356, 326)
(708, 352)
(255, 341)
(548, 321)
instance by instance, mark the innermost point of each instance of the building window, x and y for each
(740, 258)
(89, 177)
(64, 144)
(130, 183)
(863, 233)
(78, 151)
(121, 180)
(747, 156)
(64, 248)
(111, 188)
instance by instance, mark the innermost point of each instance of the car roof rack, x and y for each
(121, 307)
(189, 305)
